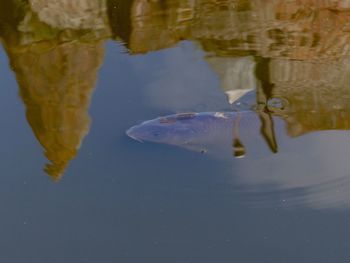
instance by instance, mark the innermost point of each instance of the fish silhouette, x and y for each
(210, 131)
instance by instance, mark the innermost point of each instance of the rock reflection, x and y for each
(56, 90)
(295, 52)
(301, 50)
(56, 75)
(77, 15)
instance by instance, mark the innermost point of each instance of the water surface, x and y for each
(75, 77)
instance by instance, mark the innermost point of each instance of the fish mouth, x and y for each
(131, 133)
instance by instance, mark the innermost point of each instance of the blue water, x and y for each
(128, 202)
(122, 201)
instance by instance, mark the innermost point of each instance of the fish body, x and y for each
(208, 131)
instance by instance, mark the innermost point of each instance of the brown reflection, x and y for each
(293, 29)
(56, 71)
(56, 90)
(296, 51)
(152, 25)
(301, 50)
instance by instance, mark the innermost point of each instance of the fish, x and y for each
(208, 132)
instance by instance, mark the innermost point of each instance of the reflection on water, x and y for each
(293, 55)
(56, 89)
(300, 50)
(56, 77)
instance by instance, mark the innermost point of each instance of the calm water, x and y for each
(76, 76)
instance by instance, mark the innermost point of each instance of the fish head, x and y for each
(173, 129)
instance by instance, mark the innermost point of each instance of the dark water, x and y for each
(75, 77)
